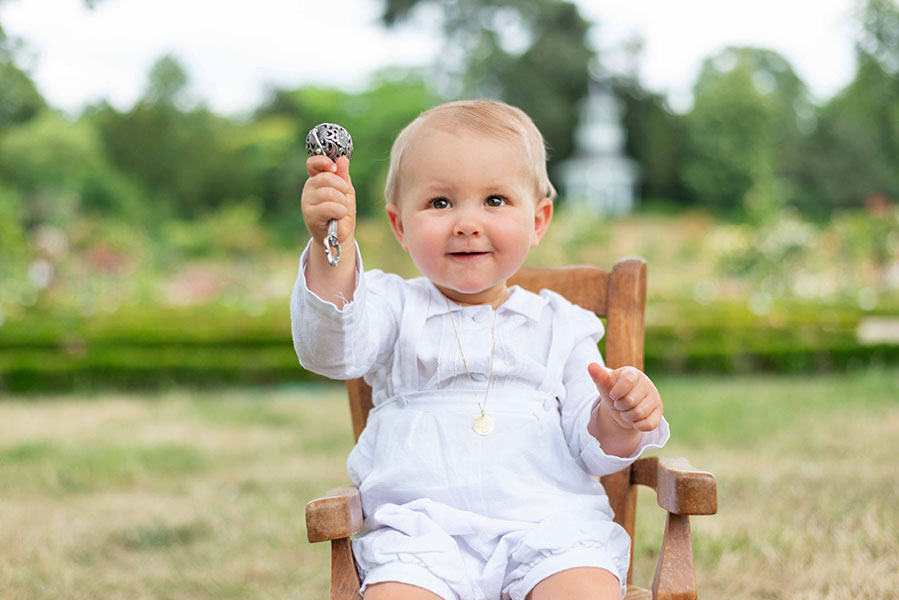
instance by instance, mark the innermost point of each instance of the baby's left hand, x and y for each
(632, 400)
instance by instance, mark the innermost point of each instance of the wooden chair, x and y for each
(620, 297)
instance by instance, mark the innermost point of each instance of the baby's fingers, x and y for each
(320, 164)
(601, 378)
(322, 203)
(636, 408)
(626, 379)
(650, 422)
(342, 168)
(327, 181)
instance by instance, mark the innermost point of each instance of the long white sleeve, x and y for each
(348, 342)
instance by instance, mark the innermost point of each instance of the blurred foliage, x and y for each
(180, 156)
(15, 249)
(854, 152)
(60, 168)
(879, 37)
(534, 55)
(19, 98)
(752, 142)
(123, 231)
(655, 138)
(743, 130)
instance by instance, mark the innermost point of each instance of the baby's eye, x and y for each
(440, 203)
(495, 201)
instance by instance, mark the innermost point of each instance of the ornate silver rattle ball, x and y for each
(330, 140)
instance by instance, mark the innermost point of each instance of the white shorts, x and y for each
(475, 565)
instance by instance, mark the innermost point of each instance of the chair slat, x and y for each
(583, 285)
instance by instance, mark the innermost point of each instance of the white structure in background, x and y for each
(600, 177)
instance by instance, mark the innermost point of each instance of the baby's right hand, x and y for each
(329, 194)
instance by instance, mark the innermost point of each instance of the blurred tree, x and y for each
(60, 169)
(854, 150)
(744, 130)
(166, 82)
(534, 55)
(269, 153)
(655, 139)
(48, 152)
(182, 157)
(19, 97)
(878, 39)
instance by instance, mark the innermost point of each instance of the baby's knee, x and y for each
(394, 590)
(580, 582)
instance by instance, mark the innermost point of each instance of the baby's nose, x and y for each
(467, 220)
(467, 226)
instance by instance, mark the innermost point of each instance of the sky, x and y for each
(235, 51)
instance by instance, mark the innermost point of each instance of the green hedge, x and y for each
(728, 338)
(216, 345)
(148, 348)
(799, 359)
(145, 366)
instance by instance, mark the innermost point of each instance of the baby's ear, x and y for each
(396, 223)
(543, 214)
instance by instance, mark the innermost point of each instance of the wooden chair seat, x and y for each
(682, 490)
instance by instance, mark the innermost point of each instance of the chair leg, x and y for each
(344, 579)
(675, 577)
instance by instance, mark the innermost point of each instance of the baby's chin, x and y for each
(491, 294)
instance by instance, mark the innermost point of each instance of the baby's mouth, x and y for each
(468, 254)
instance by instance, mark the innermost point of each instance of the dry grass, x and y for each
(201, 495)
(808, 486)
(173, 496)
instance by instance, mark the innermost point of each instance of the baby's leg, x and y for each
(584, 583)
(394, 590)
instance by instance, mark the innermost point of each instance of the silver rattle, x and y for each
(333, 141)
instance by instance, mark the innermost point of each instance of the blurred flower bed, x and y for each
(108, 303)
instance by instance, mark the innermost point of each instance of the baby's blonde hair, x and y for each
(484, 117)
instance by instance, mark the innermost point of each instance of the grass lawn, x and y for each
(186, 494)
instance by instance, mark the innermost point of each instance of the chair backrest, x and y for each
(618, 296)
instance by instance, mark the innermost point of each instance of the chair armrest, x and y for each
(337, 514)
(680, 488)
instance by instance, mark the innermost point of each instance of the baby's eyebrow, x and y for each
(437, 192)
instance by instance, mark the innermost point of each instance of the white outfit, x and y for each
(466, 516)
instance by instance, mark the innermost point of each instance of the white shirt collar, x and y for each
(520, 301)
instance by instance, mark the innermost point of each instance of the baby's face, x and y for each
(468, 212)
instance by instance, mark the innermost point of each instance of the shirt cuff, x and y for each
(324, 308)
(600, 463)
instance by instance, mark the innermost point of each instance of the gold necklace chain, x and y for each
(482, 423)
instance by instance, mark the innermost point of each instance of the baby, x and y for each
(492, 407)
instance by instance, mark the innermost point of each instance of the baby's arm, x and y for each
(329, 194)
(629, 405)
(343, 321)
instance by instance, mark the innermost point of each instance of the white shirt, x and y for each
(543, 342)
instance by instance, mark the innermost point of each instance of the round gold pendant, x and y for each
(482, 425)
